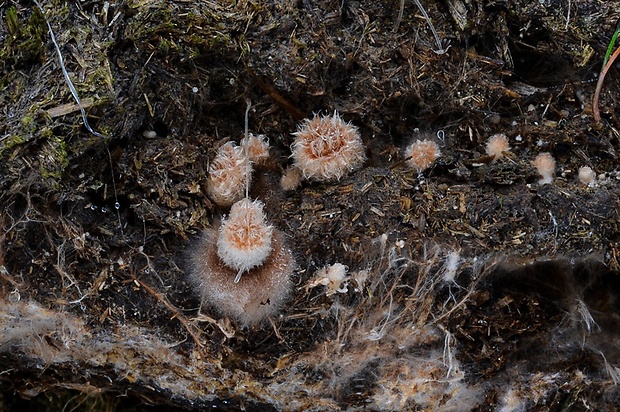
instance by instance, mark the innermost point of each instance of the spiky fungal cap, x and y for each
(244, 239)
(228, 173)
(497, 145)
(257, 147)
(421, 154)
(326, 148)
(545, 165)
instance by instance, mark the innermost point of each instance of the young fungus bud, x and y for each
(545, 164)
(326, 148)
(291, 179)
(587, 175)
(421, 154)
(497, 145)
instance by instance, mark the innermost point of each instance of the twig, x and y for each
(177, 314)
(293, 111)
(222, 324)
(599, 85)
(67, 108)
(275, 329)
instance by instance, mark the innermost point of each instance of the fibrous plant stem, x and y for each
(599, 85)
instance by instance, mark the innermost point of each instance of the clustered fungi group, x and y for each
(242, 267)
(231, 170)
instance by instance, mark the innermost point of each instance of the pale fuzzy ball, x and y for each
(291, 179)
(545, 164)
(228, 173)
(421, 154)
(257, 147)
(327, 148)
(244, 238)
(586, 175)
(258, 294)
(497, 145)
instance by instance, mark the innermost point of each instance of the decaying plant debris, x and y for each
(467, 285)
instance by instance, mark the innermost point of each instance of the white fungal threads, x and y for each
(244, 239)
(326, 148)
(333, 276)
(453, 260)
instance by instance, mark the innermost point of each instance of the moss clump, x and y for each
(54, 158)
(9, 142)
(24, 43)
(197, 32)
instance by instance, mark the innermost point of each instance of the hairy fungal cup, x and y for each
(545, 165)
(497, 145)
(228, 173)
(257, 147)
(421, 154)
(587, 176)
(244, 239)
(243, 268)
(327, 148)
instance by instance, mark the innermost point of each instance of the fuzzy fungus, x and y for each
(291, 179)
(243, 244)
(497, 145)
(326, 148)
(333, 276)
(257, 147)
(421, 154)
(244, 239)
(228, 173)
(587, 175)
(545, 165)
